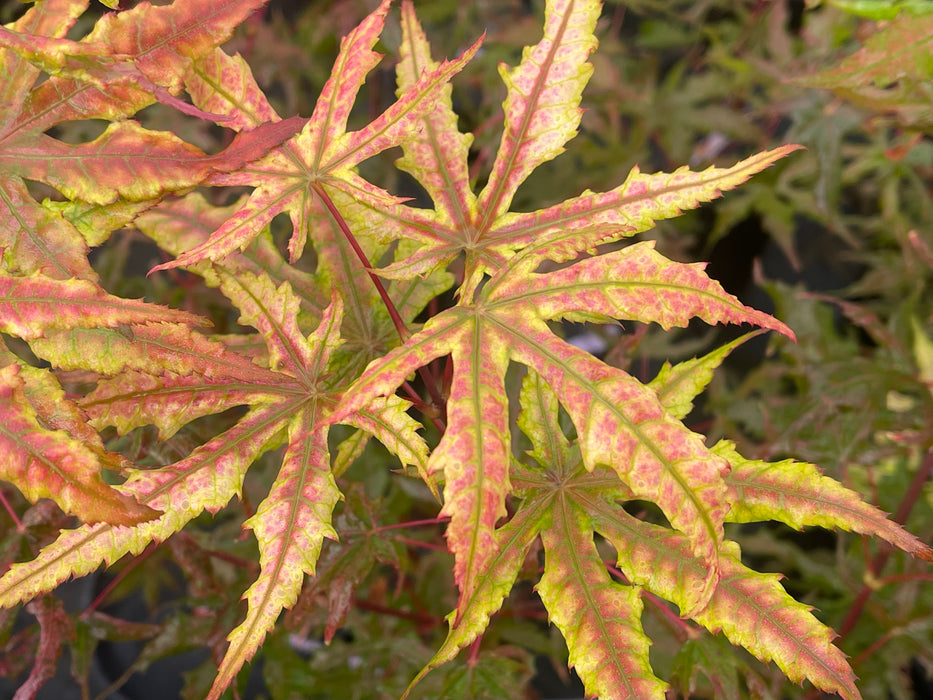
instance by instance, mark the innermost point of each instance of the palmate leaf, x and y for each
(130, 60)
(565, 505)
(619, 421)
(541, 114)
(186, 376)
(316, 166)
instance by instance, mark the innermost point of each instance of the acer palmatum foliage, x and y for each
(339, 345)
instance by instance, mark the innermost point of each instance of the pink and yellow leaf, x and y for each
(36, 240)
(356, 58)
(161, 41)
(796, 493)
(751, 609)
(599, 619)
(542, 109)
(274, 313)
(577, 224)
(386, 419)
(133, 163)
(169, 401)
(224, 84)
(205, 480)
(290, 526)
(151, 349)
(45, 463)
(620, 424)
(474, 454)
(437, 157)
(634, 283)
(35, 304)
(52, 18)
(165, 40)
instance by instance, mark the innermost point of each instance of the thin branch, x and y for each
(400, 327)
(881, 558)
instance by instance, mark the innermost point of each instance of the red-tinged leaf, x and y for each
(32, 305)
(134, 163)
(56, 629)
(751, 609)
(164, 41)
(386, 420)
(356, 58)
(181, 224)
(151, 349)
(45, 463)
(474, 454)
(274, 313)
(50, 18)
(126, 160)
(558, 233)
(205, 480)
(564, 230)
(600, 619)
(253, 143)
(290, 526)
(542, 107)
(224, 84)
(619, 421)
(170, 401)
(796, 493)
(634, 283)
(290, 177)
(620, 424)
(57, 56)
(34, 239)
(161, 43)
(55, 411)
(438, 159)
(396, 124)
(754, 611)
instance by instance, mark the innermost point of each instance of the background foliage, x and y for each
(837, 240)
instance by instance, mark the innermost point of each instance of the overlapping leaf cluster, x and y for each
(336, 344)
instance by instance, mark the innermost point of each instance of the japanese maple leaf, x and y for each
(541, 114)
(167, 375)
(564, 503)
(620, 422)
(506, 320)
(312, 176)
(127, 62)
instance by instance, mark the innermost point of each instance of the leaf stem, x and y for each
(108, 589)
(9, 509)
(400, 327)
(679, 628)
